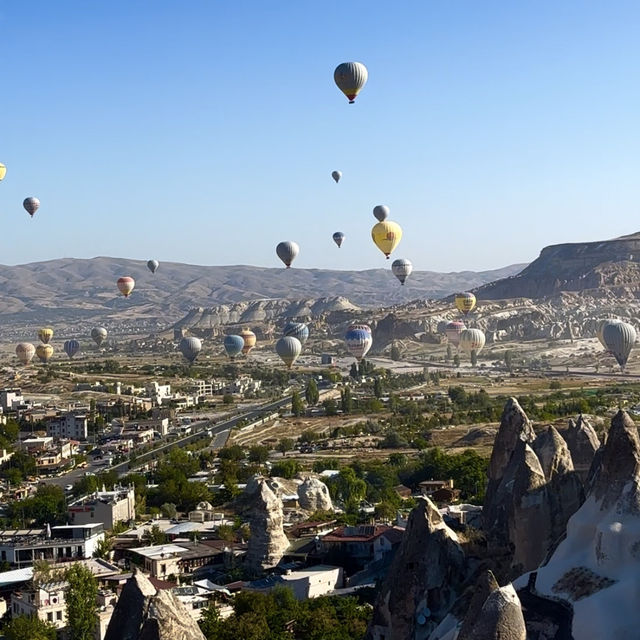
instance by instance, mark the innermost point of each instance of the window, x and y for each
(50, 617)
(58, 615)
(163, 568)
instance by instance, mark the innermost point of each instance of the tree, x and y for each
(297, 406)
(346, 486)
(286, 444)
(508, 359)
(449, 353)
(28, 628)
(210, 621)
(395, 353)
(311, 393)
(377, 387)
(474, 358)
(346, 400)
(285, 469)
(82, 605)
(353, 372)
(456, 360)
(227, 398)
(103, 549)
(330, 407)
(258, 454)
(169, 510)
(154, 536)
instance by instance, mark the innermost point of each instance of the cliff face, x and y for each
(573, 267)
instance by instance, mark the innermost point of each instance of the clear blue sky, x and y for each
(206, 131)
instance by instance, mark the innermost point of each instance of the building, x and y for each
(22, 547)
(11, 399)
(164, 560)
(33, 445)
(157, 392)
(69, 425)
(427, 487)
(206, 387)
(362, 544)
(107, 507)
(313, 581)
(327, 359)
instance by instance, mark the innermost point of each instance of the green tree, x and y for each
(210, 621)
(395, 353)
(286, 444)
(258, 454)
(227, 398)
(82, 605)
(285, 469)
(297, 406)
(47, 506)
(311, 393)
(346, 486)
(233, 452)
(28, 628)
(377, 387)
(449, 353)
(456, 360)
(330, 407)
(169, 510)
(103, 549)
(353, 372)
(154, 536)
(346, 400)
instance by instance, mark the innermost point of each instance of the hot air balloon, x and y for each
(288, 348)
(233, 345)
(336, 175)
(381, 212)
(465, 302)
(363, 327)
(297, 330)
(619, 338)
(153, 265)
(402, 269)
(71, 347)
(126, 285)
(386, 236)
(44, 352)
(249, 340)
(190, 347)
(600, 329)
(3, 171)
(358, 342)
(350, 78)
(472, 340)
(453, 330)
(45, 334)
(31, 205)
(338, 237)
(99, 335)
(25, 352)
(287, 252)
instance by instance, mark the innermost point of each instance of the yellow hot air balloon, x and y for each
(386, 236)
(465, 302)
(249, 340)
(44, 352)
(45, 334)
(3, 171)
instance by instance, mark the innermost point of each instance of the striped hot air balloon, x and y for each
(126, 285)
(472, 340)
(71, 347)
(153, 265)
(351, 78)
(25, 352)
(249, 339)
(338, 238)
(45, 334)
(99, 335)
(358, 342)
(288, 348)
(233, 345)
(287, 252)
(297, 330)
(465, 302)
(619, 338)
(190, 347)
(44, 352)
(402, 269)
(31, 205)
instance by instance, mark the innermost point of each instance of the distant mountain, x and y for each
(70, 288)
(608, 266)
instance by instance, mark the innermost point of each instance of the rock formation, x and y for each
(500, 617)
(424, 579)
(268, 541)
(313, 495)
(485, 585)
(583, 443)
(514, 427)
(595, 568)
(143, 613)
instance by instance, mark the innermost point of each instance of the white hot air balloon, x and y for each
(401, 269)
(472, 340)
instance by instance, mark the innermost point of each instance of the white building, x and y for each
(157, 392)
(10, 398)
(69, 425)
(314, 581)
(106, 507)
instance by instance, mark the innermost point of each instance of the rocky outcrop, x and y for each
(424, 580)
(313, 495)
(144, 613)
(268, 541)
(485, 586)
(583, 443)
(515, 427)
(500, 617)
(595, 568)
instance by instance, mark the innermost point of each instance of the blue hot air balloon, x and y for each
(296, 330)
(71, 347)
(358, 342)
(338, 237)
(233, 345)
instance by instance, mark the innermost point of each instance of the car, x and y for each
(89, 473)
(68, 487)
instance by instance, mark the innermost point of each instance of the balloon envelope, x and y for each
(381, 212)
(288, 348)
(25, 352)
(386, 236)
(350, 78)
(233, 345)
(44, 352)
(336, 175)
(358, 342)
(287, 252)
(31, 205)
(453, 330)
(99, 335)
(3, 173)
(71, 347)
(401, 269)
(45, 334)
(190, 347)
(472, 340)
(297, 330)
(465, 302)
(153, 265)
(600, 329)
(338, 237)
(619, 338)
(126, 285)
(249, 339)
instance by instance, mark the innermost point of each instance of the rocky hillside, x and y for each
(581, 266)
